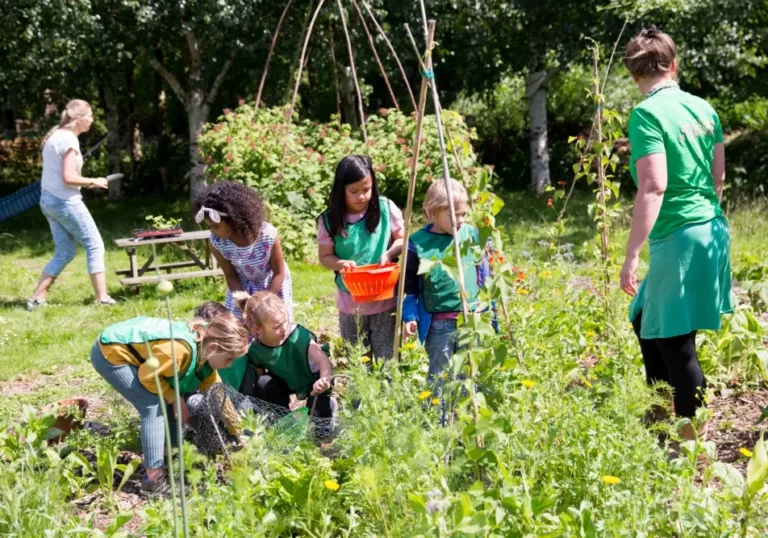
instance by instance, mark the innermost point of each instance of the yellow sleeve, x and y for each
(206, 383)
(163, 353)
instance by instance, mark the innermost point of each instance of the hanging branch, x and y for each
(354, 71)
(411, 192)
(392, 51)
(376, 54)
(289, 116)
(335, 70)
(271, 51)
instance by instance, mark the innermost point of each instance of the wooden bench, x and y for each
(136, 274)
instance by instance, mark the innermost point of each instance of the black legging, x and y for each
(674, 361)
(273, 389)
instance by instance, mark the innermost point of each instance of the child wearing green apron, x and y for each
(360, 228)
(120, 356)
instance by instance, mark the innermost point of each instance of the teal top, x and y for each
(685, 128)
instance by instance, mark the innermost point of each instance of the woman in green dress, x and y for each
(678, 165)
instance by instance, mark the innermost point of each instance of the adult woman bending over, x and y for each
(62, 204)
(678, 164)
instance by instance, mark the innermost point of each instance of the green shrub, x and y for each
(247, 145)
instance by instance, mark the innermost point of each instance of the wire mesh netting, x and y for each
(217, 418)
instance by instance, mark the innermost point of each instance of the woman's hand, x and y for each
(99, 183)
(320, 386)
(347, 265)
(384, 260)
(184, 411)
(627, 279)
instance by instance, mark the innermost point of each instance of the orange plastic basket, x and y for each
(369, 283)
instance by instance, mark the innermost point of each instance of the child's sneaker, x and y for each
(155, 488)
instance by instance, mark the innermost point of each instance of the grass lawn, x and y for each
(567, 412)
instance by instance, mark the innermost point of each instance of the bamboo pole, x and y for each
(600, 169)
(376, 54)
(271, 51)
(335, 69)
(289, 116)
(411, 191)
(429, 27)
(354, 71)
(393, 52)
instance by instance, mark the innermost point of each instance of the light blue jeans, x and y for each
(125, 380)
(70, 223)
(440, 345)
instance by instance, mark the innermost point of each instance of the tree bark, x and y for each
(113, 135)
(536, 91)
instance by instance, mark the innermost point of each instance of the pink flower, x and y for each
(227, 112)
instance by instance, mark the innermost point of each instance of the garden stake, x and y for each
(289, 115)
(269, 55)
(376, 54)
(600, 170)
(429, 27)
(394, 54)
(354, 71)
(411, 192)
(179, 427)
(168, 447)
(335, 70)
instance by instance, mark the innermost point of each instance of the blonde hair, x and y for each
(259, 306)
(224, 330)
(650, 53)
(437, 197)
(75, 109)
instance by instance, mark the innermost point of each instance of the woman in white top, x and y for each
(62, 204)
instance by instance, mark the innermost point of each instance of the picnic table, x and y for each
(136, 274)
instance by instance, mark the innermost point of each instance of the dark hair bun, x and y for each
(650, 32)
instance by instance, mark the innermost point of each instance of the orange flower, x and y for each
(549, 202)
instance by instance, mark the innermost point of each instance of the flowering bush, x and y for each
(247, 145)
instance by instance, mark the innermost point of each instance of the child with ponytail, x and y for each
(121, 357)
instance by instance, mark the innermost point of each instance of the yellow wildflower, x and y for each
(591, 334)
(424, 395)
(522, 291)
(331, 484)
(409, 345)
(435, 401)
(545, 274)
(746, 453)
(608, 479)
(527, 383)
(365, 360)
(587, 383)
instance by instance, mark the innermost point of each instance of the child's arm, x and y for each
(277, 264)
(325, 250)
(233, 281)
(395, 250)
(329, 260)
(410, 316)
(318, 357)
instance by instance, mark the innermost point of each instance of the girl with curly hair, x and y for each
(245, 245)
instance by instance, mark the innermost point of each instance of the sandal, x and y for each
(33, 303)
(109, 301)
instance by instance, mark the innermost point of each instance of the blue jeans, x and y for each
(70, 223)
(441, 344)
(125, 380)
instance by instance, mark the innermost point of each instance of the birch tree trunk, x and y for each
(536, 91)
(113, 135)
